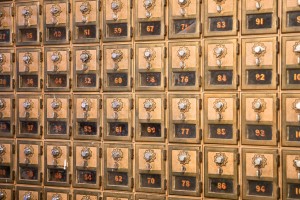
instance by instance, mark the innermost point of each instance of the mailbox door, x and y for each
(7, 116)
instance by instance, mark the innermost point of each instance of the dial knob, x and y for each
(182, 106)
(148, 3)
(2, 103)
(115, 5)
(27, 197)
(55, 152)
(26, 59)
(55, 105)
(85, 153)
(115, 55)
(2, 58)
(219, 105)
(257, 105)
(182, 158)
(259, 49)
(116, 104)
(297, 163)
(258, 162)
(147, 54)
(54, 10)
(84, 57)
(56, 197)
(2, 149)
(26, 12)
(182, 53)
(27, 105)
(2, 195)
(148, 156)
(84, 8)
(219, 160)
(117, 155)
(55, 57)
(297, 106)
(219, 51)
(28, 151)
(182, 2)
(85, 105)
(148, 105)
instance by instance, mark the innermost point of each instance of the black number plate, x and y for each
(150, 180)
(259, 21)
(184, 78)
(220, 131)
(57, 128)
(183, 26)
(117, 30)
(294, 190)
(87, 128)
(150, 79)
(221, 185)
(29, 127)
(293, 133)
(150, 130)
(28, 35)
(117, 178)
(86, 80)
(57, 80)
(57, 175)
(4, 172)
(185, 130)
(117, 79)
(4, 81)
(29, 173)
(185, 183)
(150, 28)
(259, 76)
(221, 77)
(5, 35)
(259, 132)
(219, 24)
(29, 81)
(260, 188)
(118, 128)
(5, 127)
(87, 176)
(293, 76)
(293, 18)
(87, 32)
(57, 33)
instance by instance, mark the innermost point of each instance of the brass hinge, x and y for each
(41, 130)
(100, 34)
(70, 83)
(131, 53)
(238, 158)
(132, 182)
(40, 9)
(200, 28)
(200, 104)
(100, 181)
(41, 103)
(12, 10)
(131, 82)
(165, 82)
(41, 150)
(200, 50)
(100, 131)
(166, 132)
(13, 103)
(277, 46)
(69, 35)
(277, 103)
(132, 132)
(131, 154)
(165, 103)
(238, 190)
(100, 104)
(131, 31)
(100, 82)
(277, 136)
(278, 160)
(237, 134)
(70, 151)
(100, 54)
(165, 52)
(237, 80)
(200, 134)
(200, 81)
(238, 25)
(100, 152)
(13, 148)
(70, 103)
(70, 55)
(166, 30)
(41, 57)
(165, 184)
(237, 103)
(69, 7)
(70, 131)
(100, 5)
(200, 156)
(238, 48)
(13, 57)
(165, 154)
(131, 104)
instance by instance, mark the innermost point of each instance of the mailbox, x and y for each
(290, 61)
(150, 117)
(56, 194)
(7, 116)
(220, 18)
(29, 193)
(290, 16)
(57, 71)
(184, 118)
(29, 162)
(184, 62)
(259, 16)
(115, 195)
(221, 173)
(150, 19)
(29, 69)
(7, 192)
(6, 24)
(29, 116)
(184, 19)
(57, 164)
(85, 194)
(150, 172)
(57, 22)
(28, 22)
(259, 121)
(150, 69)
(86, 68)
(221, 64)
(57, 116)
(259, 174)
(221, 118)
(117, 68)
(7, 66)
(7, 155)
(117, 20)
(259, 63)
(87, 118)
(86, 167)
(184, 170)
(86, 21)
(118, 167)
(117, 117)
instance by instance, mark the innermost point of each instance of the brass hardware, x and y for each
(85, 58)
(86, 106)
(28, 152)
(149, 106)
(28, 105)
(149, 156)
(116, 56)
(149, 5)
(27, 59)
(220, 52)
(56, 153)
(259, 50)
(149, 55)
(56, 58)
(116, 7)
(219, 5)
(183, 4)
(184, 106)
(183, 53)
(258, 105)
(220, 160)
(85, 9)
(117, 105)
(184, 158)
(220, 106)
(259, 162)
(86, 154)
(27, 12)
(56, 105)
(2, 61)
(117, 155)
(55, 11)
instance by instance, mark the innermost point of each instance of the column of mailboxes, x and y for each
(31, 115)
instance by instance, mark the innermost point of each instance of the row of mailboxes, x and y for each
(259, 68)
(259, 174)
(220, 117)
(221, 18)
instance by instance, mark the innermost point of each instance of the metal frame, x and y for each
(11, 28)
(233, 14)
(39, 119)
(162, 69)
(197, 175)
(195, 69)
(172, 122)
(273, 123)
(285, 10)
(95, 120)
(12, 65)
(128, 71)
(106, 121)
(11, 164)
(272, 67)
(10, 188)
(234, 122)
(207, 193)
(66, 25)
(85, 192)
(67, 168)
(128, 171)
(245, 178)
(234, 68)
(161, 122)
